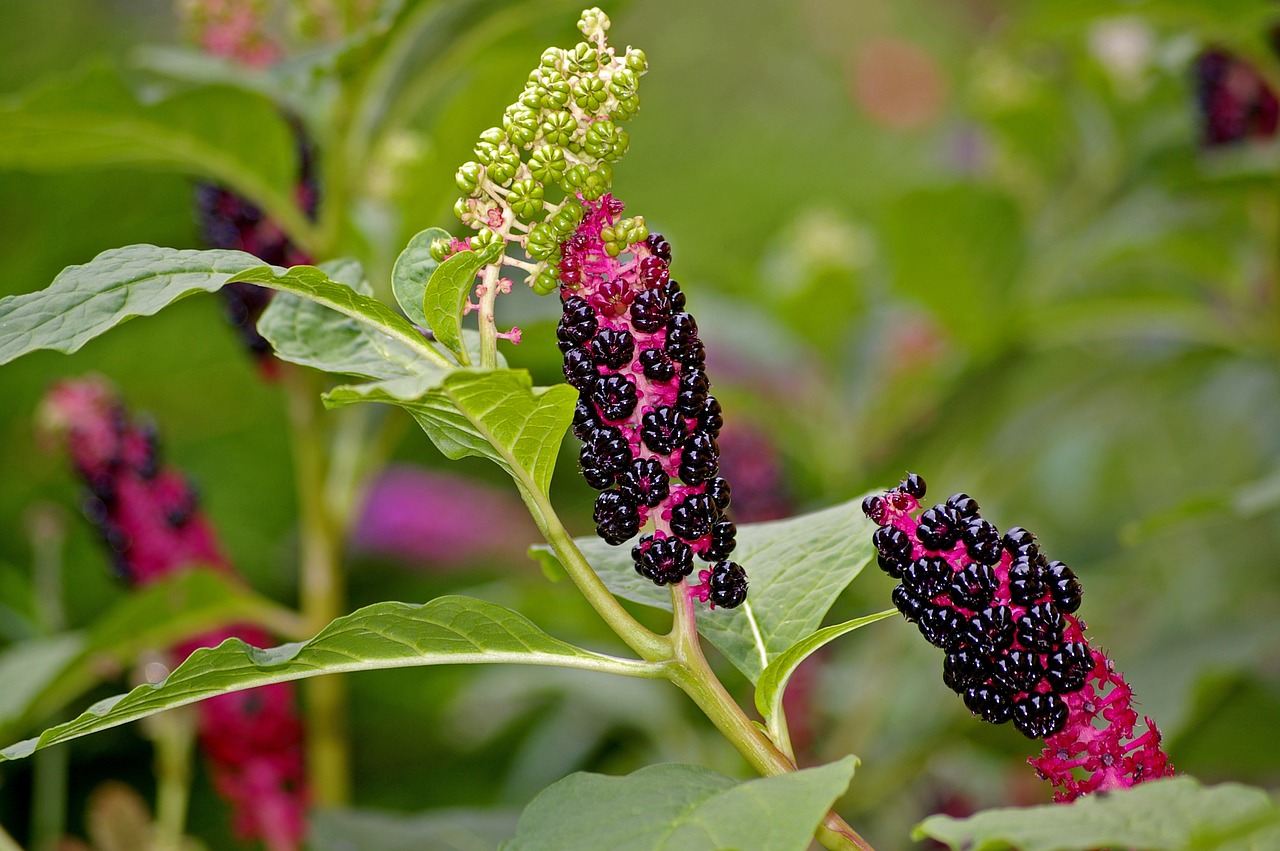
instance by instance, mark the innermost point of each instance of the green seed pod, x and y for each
(469, 176)
(605, 141)
(545, 282)
(521, 124)
(625, 108)
(593, 21)
(565, 222)
(575, 179)
(506, 162)
(439, 249)
(485, 151)
(533, 95)
(636, 60)
(623, 83)
(541, 243)
(552, 58)
(494, 136)
(558, 128)
(462, 210)
(525, 198)
(583, 59)
(589, 93)
(483, 238)
(547, 164)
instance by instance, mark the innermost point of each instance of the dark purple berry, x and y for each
(710, 418)
(973, 587)
(699, 459)
(991, 630)
(728, 585)
(617, 517)
(656, 365)
(615, 396)
(1064, 587)
(692, 354)
(1016, 538)
(613, 348)
(938, 529)
(941, 626)
(651, 310)
(906, 602)
(682, 329)
(1026, 585)
(720, 493)
(989, 702)
(724, 539)
(1040, 629)
(1038, 716)
(893, 549)
(981, 541)
(645, 481)
(665, 561)
(927, 577)
(579, 368)
(965, 506)
(913, 485)
(585, 419)
(578, 324)
(1068, 667)
(873, 507)
(662, 430)
(1018, 671)
(659, 246)
(674, 295)
(692, 518)
(962, 669)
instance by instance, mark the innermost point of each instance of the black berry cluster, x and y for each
(646, 418)
(1235, 102)
(999, 608)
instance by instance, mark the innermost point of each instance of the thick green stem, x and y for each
(488, 321)
(174, 740)
(695, 677)
(321, 591)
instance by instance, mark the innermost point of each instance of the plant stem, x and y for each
(321, 590)
(488, 322)
(174, 742)
(46, 527)
(694, 676)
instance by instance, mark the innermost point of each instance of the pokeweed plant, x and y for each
(537, 198)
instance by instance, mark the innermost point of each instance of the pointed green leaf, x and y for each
(1177, 814)
(445, 631)
(306, 332)
(414, 267)
(494, 414)
(446, 295)
(170, 610)
(797, 567)
(681, 808)
(85, 301)
(92, 118)
(773, 681)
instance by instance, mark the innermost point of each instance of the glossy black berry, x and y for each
(645, 481)
(1018, 671)
(991, 630)
(973, 587)
(1026, 584)
(692, 354)
(662, 430)
(1040, 629)
(699, 459)
(962, 669)
(613, 348)
(873, 507)
(1064, 587)
(913, 485)
(1038, 716)
(657, 366)
(728, 585)
(893, 549)
(578, 324)
(580, 367)
(939, 528)
(664, 561)
(710, 418)
(617, 517)
(941, 626)
(615, 396)
(990, 703)
(1016, 538)
(906, 602)
(651, 310)
(927, 577)
(965, 506)
(1068, 667)
(674, 295)
(692, 518)
(682, 329)
(981, 541)
(724, 539)
(720, 492)
(585, 419)
(659, 246)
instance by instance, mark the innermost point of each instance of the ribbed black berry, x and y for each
(893, 548)
(651, 310)
(724, 539)
(710, 418)
(657, 366)
(1026, 585)
(613, 348)
(692, 517)
(939, 528)
(1018, 670)
(962, 669)
(906, 602)
(580, 367)
(913, 485)
(964, 505)
(973, 587)
(991, 630)
(981, 540)
(664, 561)
(1017, 537)
(662, 430)
(1038, 716)
(614, 396)
(645, 481)
(659, 246)
(617, 517)
(699, 460)
(927, 577)
(728, 585)
(873, 507)
(989, 702)
(578, 323)
(1064, 587)
(1068, 667)
(1040, 629)
(941, 626)
(720, 492)
(674, 295)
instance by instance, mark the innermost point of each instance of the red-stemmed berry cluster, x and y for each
(646, 418)
(1005, 615)
(148, 514)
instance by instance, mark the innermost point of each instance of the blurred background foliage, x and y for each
(986, 241)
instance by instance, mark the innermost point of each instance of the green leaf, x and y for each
(43, 675)
(446, 295)
(796, 567)
(414, 268)
(306, 332)
(773, 681)
(92, 118)
(681, 808)
(434, 830)
(85, 301)
(494, 414)
(1164, 815)
(445, 631)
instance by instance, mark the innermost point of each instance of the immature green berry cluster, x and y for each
(554, 151)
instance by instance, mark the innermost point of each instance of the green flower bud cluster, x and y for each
(555, 148)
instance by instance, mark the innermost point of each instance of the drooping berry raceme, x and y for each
(148, 514)
(554, 150)
(645, 416)
(1234, 100)
(1015, 651)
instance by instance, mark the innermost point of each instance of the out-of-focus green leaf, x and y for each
(443, 830)
(773, 681)
(414, 267)
(445, 631)
(42, 675)
(494, 414)
(681, 808)
(1177, 814)
(797, 567)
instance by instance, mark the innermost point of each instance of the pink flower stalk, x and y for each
(148, 515)
(1015, 650)
(645, 416)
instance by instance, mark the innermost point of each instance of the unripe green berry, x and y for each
(439, 249)
(558, 128)
(483, 238)
(583, 59)
(589, 93)
(545, 282)
(525, 198)
(521, 124)
(593, 22)
(547, 164)
(636, 60)
(623, 83)
(469, 176)
(605, 141)
(625, 108)
(506, 161)
(494, 136)
(575, 179)
(462, 210)
(541, 242)
(532, 96)
(552, 58)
